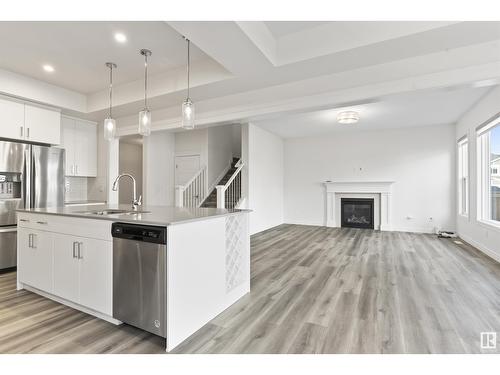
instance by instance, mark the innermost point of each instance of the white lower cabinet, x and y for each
(77, 269)
(35, 258)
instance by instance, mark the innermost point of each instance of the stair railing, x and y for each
(229, 195)
(194, 192)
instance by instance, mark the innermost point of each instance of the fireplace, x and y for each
(357, 213)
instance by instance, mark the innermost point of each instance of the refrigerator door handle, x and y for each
(27, 178)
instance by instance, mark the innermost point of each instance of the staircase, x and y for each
(211, 200)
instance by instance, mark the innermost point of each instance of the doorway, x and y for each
(185, 168)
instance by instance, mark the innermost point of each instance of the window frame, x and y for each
(483, 155)
(463, 179)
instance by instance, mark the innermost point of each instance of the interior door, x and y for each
(66, 267)
(185, 168)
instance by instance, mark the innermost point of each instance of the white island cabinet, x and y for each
(67, 255)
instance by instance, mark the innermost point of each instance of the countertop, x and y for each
(152, 215)
(84, 203)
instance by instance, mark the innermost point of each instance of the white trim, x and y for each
(73, 305)
(384, 188)
(480, 247)
(488, 124)
(490, 224)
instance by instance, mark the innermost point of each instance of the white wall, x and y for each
(158, 168)
(420, 160)
(265, 178)
(484, 237)
(130, 161)
(236, 129)
(220, 151)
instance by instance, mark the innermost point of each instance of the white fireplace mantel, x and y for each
(384, 188)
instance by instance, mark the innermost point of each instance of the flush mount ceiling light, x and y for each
(109, 122)
(348, 117)
(187, 105)
(48, 68)
(120, 37)
(145, 114)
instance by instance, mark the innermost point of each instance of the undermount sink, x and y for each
(112, 212)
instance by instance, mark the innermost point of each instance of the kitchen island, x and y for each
(66, 254)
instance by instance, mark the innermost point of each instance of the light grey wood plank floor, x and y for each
(313, 290)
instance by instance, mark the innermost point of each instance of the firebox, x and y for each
(357, 213)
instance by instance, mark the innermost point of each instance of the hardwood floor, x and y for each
(314, 290)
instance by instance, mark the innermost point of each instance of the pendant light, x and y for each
(187, 105)
(109, 122)
(145, 115)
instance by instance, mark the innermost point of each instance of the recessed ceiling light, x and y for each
(120, 37)
(48, 68)
(348, 117)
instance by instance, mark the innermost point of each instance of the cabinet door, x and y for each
(42, 125)
(96, 275)
(86, 149)
(66, 267)
(11, 119)
(68, 143)
(35, 258)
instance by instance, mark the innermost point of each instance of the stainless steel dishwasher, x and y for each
(139, 276)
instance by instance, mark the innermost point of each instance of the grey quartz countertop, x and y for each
(153, 215)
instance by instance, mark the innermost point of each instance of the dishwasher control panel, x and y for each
(144, 233)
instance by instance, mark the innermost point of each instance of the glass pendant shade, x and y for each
(145, 122)
(109, 129)
(188, 114)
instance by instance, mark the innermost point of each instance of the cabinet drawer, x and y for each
(98, 229)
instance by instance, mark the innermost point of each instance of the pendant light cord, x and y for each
(188, 63)
(145, 81)
(110, 90)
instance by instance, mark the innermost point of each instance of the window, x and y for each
(488, 143)
(463, 177)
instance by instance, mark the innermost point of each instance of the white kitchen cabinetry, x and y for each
(25, 122)
(82, 271)
(56, 257)
(42, 125)
(35, 258)
(79, 139)
(11, 119)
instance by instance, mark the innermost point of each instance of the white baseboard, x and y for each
(480, 247)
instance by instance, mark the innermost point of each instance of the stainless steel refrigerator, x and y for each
(30, 176)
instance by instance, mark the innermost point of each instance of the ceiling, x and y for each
(282, 28)
(78, 51)
(424, 108)
(241, 70)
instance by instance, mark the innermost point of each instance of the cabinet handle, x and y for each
(42, 222)
(28, 133)
(74, 249)
(24, 220)
(29, 240)
(21, 131)
(80, 252)
(76, 169)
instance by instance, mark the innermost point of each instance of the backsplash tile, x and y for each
(75, 188)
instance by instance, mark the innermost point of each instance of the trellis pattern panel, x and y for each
(235, 251)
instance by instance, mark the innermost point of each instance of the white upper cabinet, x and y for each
(11, 119)
(79, 139)
(42, 125)
(25, 122)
